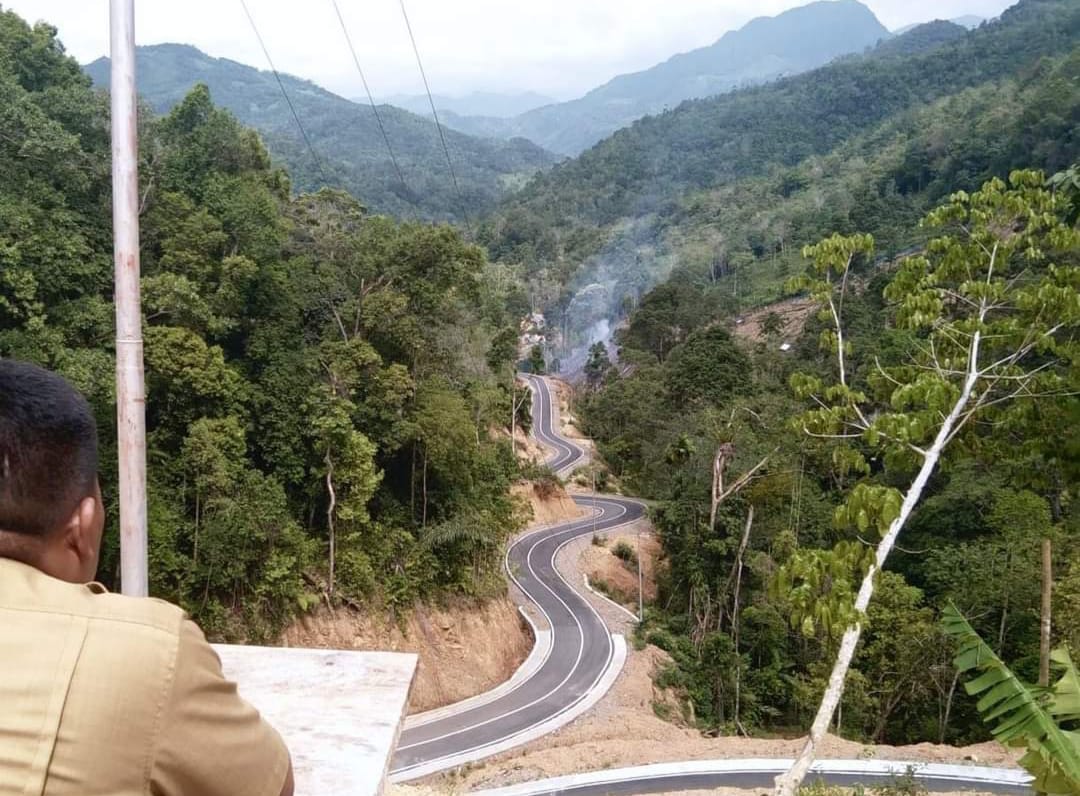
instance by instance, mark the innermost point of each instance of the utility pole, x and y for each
(130, 388)
(596, 508)
(640, 591)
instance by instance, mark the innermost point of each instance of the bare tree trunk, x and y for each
(787, 784)
(735, 615)
(198, 519)
(718, 467)
(1044, 620)
(513, 418)
(423, 516)
(1001, 626)
(330, 517)
(948, 706)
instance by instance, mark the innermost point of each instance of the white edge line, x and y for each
(875, 768)
(596, 690)
(614, 668)
(577, 621)
(604, 597)
(538, 655)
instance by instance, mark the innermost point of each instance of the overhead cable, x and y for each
(285, 94)
(371, 100)
(435, 114)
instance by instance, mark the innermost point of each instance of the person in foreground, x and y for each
(100, 693)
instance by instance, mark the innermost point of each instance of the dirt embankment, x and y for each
(610, 562)
(465, 648)
(549, 502)
(568, 423)
(793, 314)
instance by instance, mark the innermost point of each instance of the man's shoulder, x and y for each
(102, 606)
(23, 588)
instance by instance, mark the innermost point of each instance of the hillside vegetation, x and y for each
(778, 470)
(321, 384)
(753, 653)
(345, 136)
(728, 189)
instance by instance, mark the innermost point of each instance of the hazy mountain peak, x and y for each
(968, 21)
(765, 48)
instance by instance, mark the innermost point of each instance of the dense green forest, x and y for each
(733, 186)
(673, 413)
(717, 201)
(349, 150)
(327, 387)
(752, 603)
(321, 382)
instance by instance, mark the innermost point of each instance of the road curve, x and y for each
(565, 453)
(581, 651)
(759, 774)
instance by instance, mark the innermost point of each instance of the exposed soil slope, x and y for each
(465, 648)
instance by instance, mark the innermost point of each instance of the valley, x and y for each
(723, 419)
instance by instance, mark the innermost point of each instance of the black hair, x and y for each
(48, 449)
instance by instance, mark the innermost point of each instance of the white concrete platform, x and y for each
(339, 712)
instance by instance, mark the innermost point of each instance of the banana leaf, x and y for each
(1023, 715)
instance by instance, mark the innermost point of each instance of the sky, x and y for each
(560, 48)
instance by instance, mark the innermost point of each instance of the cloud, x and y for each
(558, 47)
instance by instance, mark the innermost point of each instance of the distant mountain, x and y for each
(344, 135)
(764, 49)
(706, 181)
(478, 103)
(922, 38)
(969, 21)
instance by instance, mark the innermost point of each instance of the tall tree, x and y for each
(997, 309)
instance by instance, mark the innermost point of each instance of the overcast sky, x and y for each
(557, 47)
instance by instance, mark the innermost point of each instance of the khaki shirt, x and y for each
(104, 695)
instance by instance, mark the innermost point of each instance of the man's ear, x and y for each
(82, 537)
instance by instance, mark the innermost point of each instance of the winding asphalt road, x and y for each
(581, 648)
(581, 653)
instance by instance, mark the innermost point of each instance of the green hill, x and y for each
(345, 136)
(732, 186)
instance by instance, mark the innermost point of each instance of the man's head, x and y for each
(51, 515)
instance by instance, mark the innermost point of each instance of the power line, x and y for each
(285, 94)
(435, 113)
(371, 99)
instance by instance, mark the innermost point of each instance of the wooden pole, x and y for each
(1044, 619)
(640, 583)
(130, 390)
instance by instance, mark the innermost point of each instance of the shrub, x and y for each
(625, 552)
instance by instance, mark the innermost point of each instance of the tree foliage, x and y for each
(318, 389)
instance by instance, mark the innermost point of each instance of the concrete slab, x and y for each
(339, 712)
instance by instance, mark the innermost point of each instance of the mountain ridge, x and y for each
(764, 48)
(345, 136)
(494, 104)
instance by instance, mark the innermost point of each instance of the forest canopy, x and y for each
(321, 385)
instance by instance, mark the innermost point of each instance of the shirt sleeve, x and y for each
(211, 741)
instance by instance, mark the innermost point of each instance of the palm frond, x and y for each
(470, 527)
(1024, 715)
